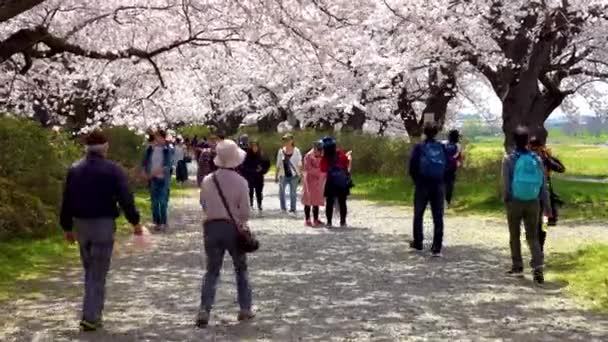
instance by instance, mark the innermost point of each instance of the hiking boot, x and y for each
(415, 247)
(245, 316)
(202, 319)
(308, 223)
(516, 273)
(538, 277)
(437, 255)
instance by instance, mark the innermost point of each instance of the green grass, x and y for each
(478, 193)
(27, 259)
(580, 160)
(586, 272)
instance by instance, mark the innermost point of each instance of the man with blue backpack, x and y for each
(428, 166)
(524, 189)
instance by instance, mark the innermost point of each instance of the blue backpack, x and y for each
(338, 178)
(433, 161)
(528, 177)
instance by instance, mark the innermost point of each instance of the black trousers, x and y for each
(315, 212)
(329, 208)
(450, 181)
(257, 189)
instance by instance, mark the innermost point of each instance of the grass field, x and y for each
(580, 160)
(479, 194)
(586, 272)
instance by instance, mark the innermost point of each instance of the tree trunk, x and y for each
(526, 105)
(357, 119)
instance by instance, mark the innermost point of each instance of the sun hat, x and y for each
(229, 154)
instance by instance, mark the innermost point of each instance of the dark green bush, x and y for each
(22, 214)
(34, 158)
(371, 154)
(126, 147)
(192, 131)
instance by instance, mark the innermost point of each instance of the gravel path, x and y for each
(356, 284)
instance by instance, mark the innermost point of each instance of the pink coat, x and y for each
(314, 180)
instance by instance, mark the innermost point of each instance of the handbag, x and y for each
(246, 240)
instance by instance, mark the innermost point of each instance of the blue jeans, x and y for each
(221, 236)
(426, 193)
(159, 199)
(292, 182)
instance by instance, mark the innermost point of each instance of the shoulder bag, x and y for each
(246, 240)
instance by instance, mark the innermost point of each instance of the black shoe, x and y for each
(414, 246)
(88, 326)
(538, 277)
(516, 273)
(202, 319)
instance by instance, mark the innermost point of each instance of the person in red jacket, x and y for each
(336, 164)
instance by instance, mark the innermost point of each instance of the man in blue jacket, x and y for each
(428, 166)
(93, 188)
(157, 164)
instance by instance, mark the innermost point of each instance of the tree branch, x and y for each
(24, 41)
(12, 8)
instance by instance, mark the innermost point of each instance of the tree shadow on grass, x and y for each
(357, 285)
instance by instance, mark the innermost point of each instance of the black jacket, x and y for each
(255, 166)
(94, 188)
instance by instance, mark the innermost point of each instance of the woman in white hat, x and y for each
(220, 231)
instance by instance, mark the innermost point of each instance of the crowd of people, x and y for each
(231, 177)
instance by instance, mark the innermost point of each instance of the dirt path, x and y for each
(359, 284)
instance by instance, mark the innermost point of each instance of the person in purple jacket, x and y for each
(95, 188)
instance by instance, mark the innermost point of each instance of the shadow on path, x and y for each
(310, 284)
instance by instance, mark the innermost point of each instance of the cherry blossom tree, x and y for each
(534, 53)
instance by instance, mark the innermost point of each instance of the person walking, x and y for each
(427, 167)
(455, 158)
(314, 185)
(225, 202)
(180, 161)
(288, 171)
(157, 164)
(94, 187)
(524, 190)
(204, 157)
(255, 166)
(335, 164)
(551, 164)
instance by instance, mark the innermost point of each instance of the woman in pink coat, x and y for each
(314, 184)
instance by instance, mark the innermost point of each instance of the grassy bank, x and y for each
(29, 259)
(580, 160)
(586, 272)
(478, 194)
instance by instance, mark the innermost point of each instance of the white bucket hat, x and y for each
(229, 155)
